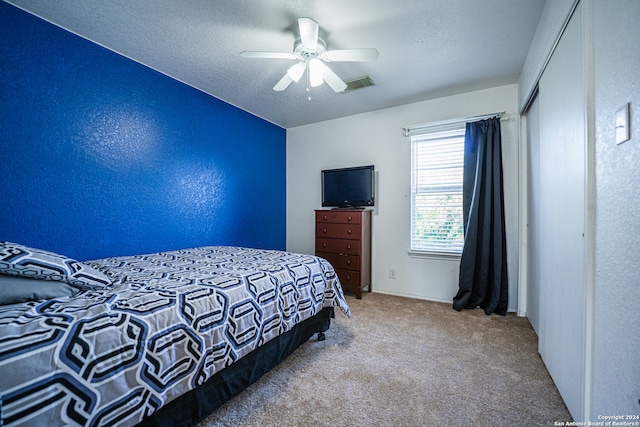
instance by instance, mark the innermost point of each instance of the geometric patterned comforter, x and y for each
(170, 321)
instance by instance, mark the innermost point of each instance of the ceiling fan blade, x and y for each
(309, 33)
(267, 55)
(284, 83)
(333, 80)
(366, 54)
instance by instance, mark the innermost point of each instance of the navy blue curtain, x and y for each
(483, 278)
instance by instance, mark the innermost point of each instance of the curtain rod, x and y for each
(444, 124)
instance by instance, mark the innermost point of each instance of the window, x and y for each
(437, 160)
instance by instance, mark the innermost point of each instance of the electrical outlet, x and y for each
(392, 273)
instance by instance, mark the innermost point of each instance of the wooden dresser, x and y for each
(343, 237)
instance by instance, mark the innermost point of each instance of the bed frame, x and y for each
(194, 406)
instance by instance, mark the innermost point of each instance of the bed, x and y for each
(155, 339)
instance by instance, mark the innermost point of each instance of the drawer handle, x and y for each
(348, 262)
(349, 218)
(325, 217)
(349, 231)
(324, 245)
(349, 247)
(324, 230)
(348, 277)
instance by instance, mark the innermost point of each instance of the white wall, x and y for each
(376, 138)
(616, 70)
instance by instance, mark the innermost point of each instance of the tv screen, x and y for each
(348, 187)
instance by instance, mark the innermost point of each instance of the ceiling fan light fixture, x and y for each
(296, 71)
(316, 71)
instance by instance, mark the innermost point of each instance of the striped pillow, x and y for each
(20, 260)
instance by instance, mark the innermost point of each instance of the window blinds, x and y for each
(436, 190)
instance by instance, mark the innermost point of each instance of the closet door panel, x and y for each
(562, 217)
(533, 215)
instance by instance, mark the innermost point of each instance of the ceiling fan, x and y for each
(311, 52)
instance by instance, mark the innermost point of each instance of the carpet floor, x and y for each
(405, 362)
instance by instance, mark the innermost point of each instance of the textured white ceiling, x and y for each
(428, 48)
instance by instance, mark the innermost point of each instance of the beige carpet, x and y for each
(406, 362)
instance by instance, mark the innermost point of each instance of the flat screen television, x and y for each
(348, 187)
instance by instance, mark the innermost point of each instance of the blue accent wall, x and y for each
(101, 156)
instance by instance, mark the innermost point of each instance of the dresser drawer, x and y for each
(338, 231)
(338, 216)
(349, 278)
(341, 261)
(338, 246)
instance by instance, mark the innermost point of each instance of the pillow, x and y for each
(14, 289)
(20, 260)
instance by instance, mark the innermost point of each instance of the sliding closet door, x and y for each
(533, 215)
(562, 212)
